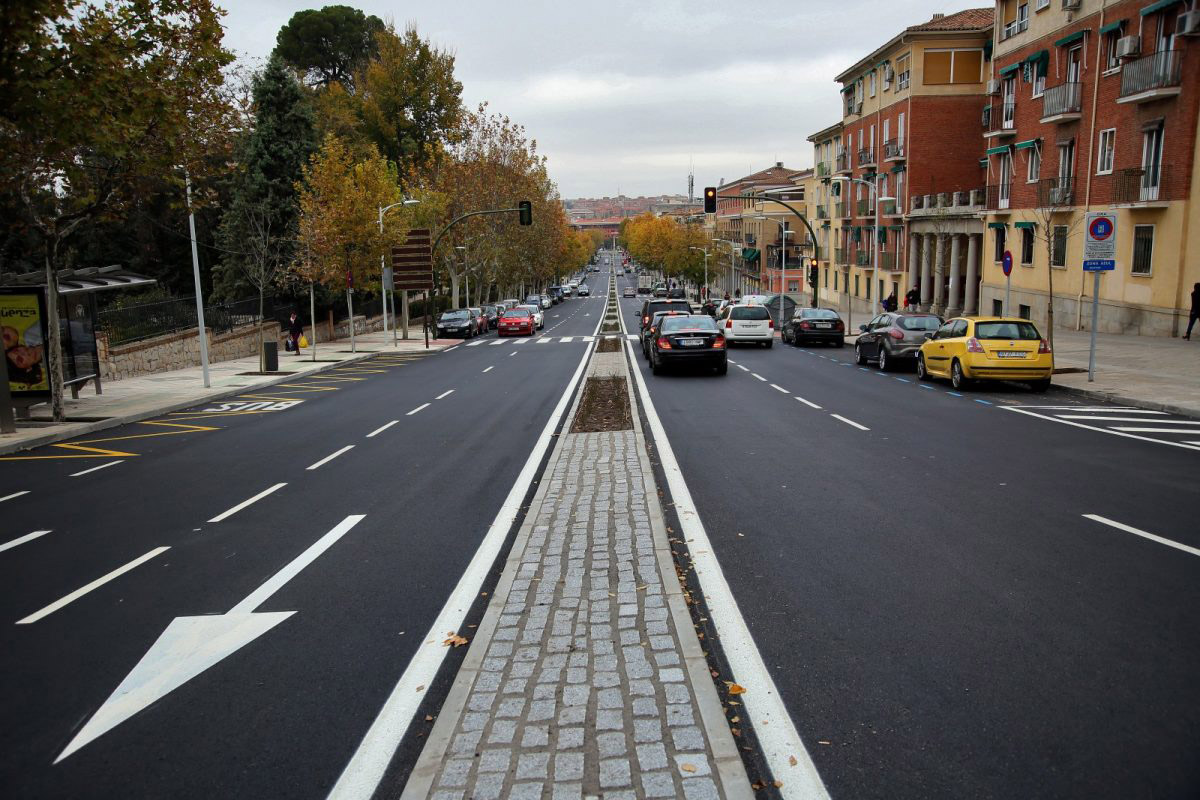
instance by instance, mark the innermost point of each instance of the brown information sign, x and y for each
(412, 262)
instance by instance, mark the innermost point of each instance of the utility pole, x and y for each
(196, 279)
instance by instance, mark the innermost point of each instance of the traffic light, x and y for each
(813, 274)
(710, 200)
(526, 209)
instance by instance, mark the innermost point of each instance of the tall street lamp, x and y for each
(383, 279)
(874, 239)
(704, 294)
(783, 234)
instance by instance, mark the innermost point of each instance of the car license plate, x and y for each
(1010, 353)
(691, 342)
(822, 325)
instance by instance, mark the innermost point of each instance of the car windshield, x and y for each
(929, 323)
(749, 312)
(819, 313)
(681, 323)
(1007, 330)
(454, 315)
(517, 312)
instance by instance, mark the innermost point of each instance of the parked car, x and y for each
(457, 322)
(481, 324)
(509, 304)
(517, 322)
(810, 325)
(892, 337)
(584, 291)
(970, 349)
(533, 300)
(492, 312)
(556, 294)
(688, 339)
(676, 294)
(660, 290)
(547, 302)
(572, 287)
(628, 292)
(539, 318)
(663, 304)
(651, 331)
(747, 323)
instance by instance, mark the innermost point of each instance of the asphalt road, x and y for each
(941, 619)
(282, 715)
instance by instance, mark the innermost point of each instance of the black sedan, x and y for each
(893, 337)
(688, 339)
(459, 322)
(651, 330)
(815, 325)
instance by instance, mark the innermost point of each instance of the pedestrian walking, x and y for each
(889, 302)
(295, 331)
(1195, 315)
(912, 300)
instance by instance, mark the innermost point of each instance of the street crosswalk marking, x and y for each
(541, 340)
(544, 340)
(1160, 427)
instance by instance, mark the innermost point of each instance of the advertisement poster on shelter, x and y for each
(22, 323)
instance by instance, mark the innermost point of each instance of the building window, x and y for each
(835, 281)
(953, 66)
(887, 77)
(1022, 17)
(871, 84)
(1034, 166)
(793, 286)
(1027, 246)
(997, 307)
(1111, 61)
(1143, 249)
(826, 278)
(1152, 152)
(903, 71)
(1041, 5)
(856, 277)
(1024, 312)
(1058, 255)
(1104, 160)
(1039, 78)
(1000, 236)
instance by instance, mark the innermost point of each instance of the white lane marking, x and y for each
(93, 469)
(743, 369)
(566, 339)
(1129, 419)
(489, 369)
(363, 773)
(1110, 431)
(381, 429)
(452, 349)
(227, 514)
(418, 408)
(760, 377)
(96, 584)
(29, 537)
(472, 344)
(496, 343)
(331, 457)
(809, 403)
(850, 422)
(777, 735)
(544, 340)
(1109, 409)
(779, 388)
(444, 394)
(1152, 537)
(1138, 429)
(513, 353)
(730, 360)
(14, 496)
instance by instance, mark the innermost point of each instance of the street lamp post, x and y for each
(702, 250)
(783, 234)
(385, 293)
(874, 236)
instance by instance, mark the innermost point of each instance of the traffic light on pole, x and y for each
(710, 200)
(526, 209)
(812, 275)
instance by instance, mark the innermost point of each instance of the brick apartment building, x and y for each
(738, 235)
(1094, 107)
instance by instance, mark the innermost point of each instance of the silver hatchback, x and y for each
(893, 336)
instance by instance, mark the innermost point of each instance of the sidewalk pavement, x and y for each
(585, 677)
(148, 396)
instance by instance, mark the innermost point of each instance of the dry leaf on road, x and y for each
(792, 760)
(734, 688)
(687, 768)
(454, 639)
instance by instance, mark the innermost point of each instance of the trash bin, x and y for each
(271, 356)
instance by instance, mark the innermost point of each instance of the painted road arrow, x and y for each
(191, 645)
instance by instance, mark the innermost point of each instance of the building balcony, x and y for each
(841, 256)
(822, 212)
(866, 158)
(863, 208)
(1151, 77)
(948, 203)
(1056, 192)
(893, 150)
(1000, 120)
(862, 258)
(999, 197)
(888, 261)
(887, 208)
(1062, 103)
(841, 210)
(1139, 187)
(842, 162)
(824, 169)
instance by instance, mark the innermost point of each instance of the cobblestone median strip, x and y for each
(585, 678)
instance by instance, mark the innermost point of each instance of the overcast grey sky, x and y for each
(627, 94)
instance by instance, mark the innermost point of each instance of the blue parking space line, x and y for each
(864, 369)
(954, 394)
(930, 388)
(985, 402)
(904, 380)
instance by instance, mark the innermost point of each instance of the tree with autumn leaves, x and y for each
(665, 244)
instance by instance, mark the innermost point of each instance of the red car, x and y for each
(519, 321)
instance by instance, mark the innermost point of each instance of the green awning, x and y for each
(1040, 56)
(1159, 6)
(1025, 145)
(1074, 37)
(848, 89)
(995, 151)
(983, 162)
(895, 227)
(857, 234)
(897, 168)
(882, 235)
(998, 225)
(749, 254)
(1010, 69)
(1029, 225)
(1112, 26)
(882, 64)
(987, 50)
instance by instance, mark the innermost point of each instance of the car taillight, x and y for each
(719, 343)
(805, 325)
(895, 333)
(729, 323)
(973, 345)
(771, 324)
(1043, 347)
(664, 343)
(838, 325)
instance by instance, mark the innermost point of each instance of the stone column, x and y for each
(926, 271)
(939, 273)
(913, 276)
(971, 290)
(953, 309)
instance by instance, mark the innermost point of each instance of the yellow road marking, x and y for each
(309, 387)
(269, 397)
(223, 414)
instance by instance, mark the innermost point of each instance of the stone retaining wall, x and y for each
(177, 351)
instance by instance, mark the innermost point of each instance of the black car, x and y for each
(458, 322)
(676, 294)
(815, 325)
(688, 339)
(556, 294)
(493, 315)
(651, 330)
(662, 304)
(893, 337)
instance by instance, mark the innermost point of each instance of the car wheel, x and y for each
(770, 343)
(840, 343)
(655, 366)
(883, 362)
(723, 368)
(922, 371)
(957, 379)
(1040, 386)
(859, 358)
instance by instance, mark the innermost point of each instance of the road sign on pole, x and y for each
(1099, 255)
(1006, 263)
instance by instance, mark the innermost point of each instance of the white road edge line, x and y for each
(444, 394)
(14, 496)
(1110, 431)
(93, 469)
(381, 429)
(29, 537)
(227, 514)
(330, 457)
(366, 767)
(96, 584)
(809, 403)
(779, 388)
(777, 734)
(1152, 537)
(418, 408)
(489, 369)
(850, 422)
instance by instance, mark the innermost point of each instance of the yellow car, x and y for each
(968, 349)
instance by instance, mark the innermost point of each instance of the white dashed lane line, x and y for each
(330, 457)
(444, 394)
(850, 422)
(381, 429)
(778, 388)
(809, 403)
(760, 377)
(489, 369)
(418, 408)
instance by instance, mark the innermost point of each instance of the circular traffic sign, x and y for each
(1006, 262)
(1100, 229)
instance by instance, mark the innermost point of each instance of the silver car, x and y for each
(893, 336)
